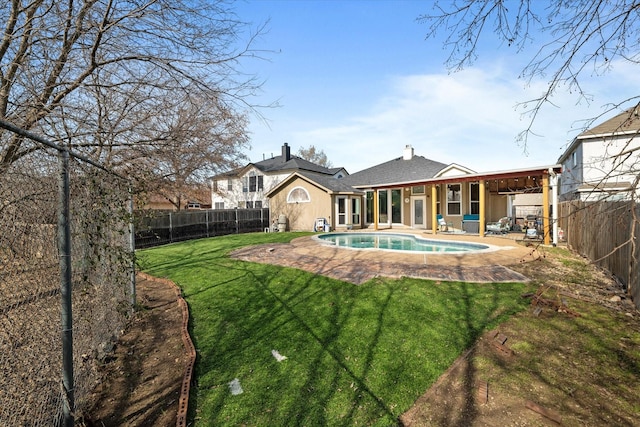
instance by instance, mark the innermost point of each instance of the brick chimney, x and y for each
(286, 152)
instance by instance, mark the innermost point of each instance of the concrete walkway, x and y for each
(359, 266)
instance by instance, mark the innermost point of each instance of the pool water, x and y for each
(398, 242)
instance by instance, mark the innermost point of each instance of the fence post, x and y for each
(237, 225)
(64, 249)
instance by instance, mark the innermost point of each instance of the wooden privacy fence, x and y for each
(604, 232)
(159, 228)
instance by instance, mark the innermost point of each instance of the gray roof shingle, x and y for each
(627, 121)
(337, 185)
(396, 171)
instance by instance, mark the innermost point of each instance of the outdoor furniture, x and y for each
(471, 223)
(442, 224)
(502, 226)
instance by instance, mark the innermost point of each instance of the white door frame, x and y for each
(423, 199)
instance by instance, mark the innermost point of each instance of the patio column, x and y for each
(545, 207)
(434, 209)
(482, 208)
(375, 210)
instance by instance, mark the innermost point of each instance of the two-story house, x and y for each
(246, 187)
(603, 163)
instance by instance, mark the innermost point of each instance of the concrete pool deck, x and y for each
(359, 266)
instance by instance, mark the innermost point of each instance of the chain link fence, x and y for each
(32, 310)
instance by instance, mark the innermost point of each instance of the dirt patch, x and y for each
(143, 378)
(541, 367)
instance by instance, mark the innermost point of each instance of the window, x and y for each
(229, 185)
(218, 205)
(255, 183)
(474, 198)
(355, 211)
(245, 184)
(396, 206)
(249, 205)
(383, 207)
(418, 189)
(369, 207)
(298, 195)
(454, 199)
(574, 159)
(215, 186)
(257, 204)
(342, 210)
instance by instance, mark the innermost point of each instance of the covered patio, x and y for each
(542, 179)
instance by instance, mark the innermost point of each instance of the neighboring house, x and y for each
(602, 163)
(248, 186)
(409, 191)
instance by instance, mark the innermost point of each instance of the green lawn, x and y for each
(356, 355)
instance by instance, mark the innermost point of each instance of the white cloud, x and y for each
(469, 118)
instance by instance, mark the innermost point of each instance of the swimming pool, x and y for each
(398, 242)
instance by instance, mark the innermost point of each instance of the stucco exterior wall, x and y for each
(301, 216)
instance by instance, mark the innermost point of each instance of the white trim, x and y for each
(453, 201)
(304, 190)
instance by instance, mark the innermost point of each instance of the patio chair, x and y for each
(502, 226)
(442, 224)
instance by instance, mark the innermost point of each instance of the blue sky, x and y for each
(358, 80)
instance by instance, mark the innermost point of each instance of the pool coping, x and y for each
(487, 248)
(359, 266)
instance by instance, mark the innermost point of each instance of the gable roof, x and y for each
(328, 183)
(396, 171)
(285, 162)
(278, 164)
(625, 123)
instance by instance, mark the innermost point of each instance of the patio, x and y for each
(358, 266)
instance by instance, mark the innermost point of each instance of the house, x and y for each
(602, 163)
(412, 191)
(400, 203)
(304, 197)
(247, 187)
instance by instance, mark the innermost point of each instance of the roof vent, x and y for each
(408, 152)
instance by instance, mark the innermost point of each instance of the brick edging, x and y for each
(190, 350)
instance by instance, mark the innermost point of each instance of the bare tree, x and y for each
(314, 155)
(95, 75)
(576, 37)
(199, 139)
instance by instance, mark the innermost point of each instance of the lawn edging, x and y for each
(190, 350)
